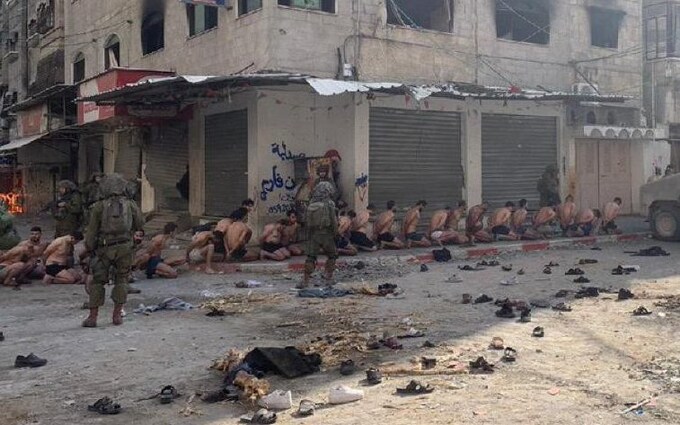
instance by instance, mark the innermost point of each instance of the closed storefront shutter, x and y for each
(515, 151)
(415, 155)
(128, 157)
(226, 162)
(166, 162)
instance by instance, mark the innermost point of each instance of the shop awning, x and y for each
(18, 143)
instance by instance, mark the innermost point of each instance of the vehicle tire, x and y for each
(666, 224)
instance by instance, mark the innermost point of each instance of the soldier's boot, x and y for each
(118, 314)
(309, 270)
(91, 321)
(329, 269)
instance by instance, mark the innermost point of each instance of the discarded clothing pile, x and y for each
(288, 362)
(173, 303)
(655, 251)
(323, 293)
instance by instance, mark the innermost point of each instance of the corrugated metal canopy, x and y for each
(18, 143)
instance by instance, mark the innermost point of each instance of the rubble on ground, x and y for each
(240, 303)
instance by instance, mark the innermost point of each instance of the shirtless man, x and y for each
(542, 224)
(500, 223)
(382, 229)
(566, 213)
(238, 236)
(155, 264)
(359, 230)
(453, 222)
(585, 224)
(13, 264)
(270, 242)
(289, 237)
(411, 220)
(34, 267)
(439, 230)
(220, 236)
(342, 239)
(474, 225)
(610, 213)
(202, 248)
(519, 218)
(59, 258)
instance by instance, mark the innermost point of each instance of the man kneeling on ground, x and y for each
(289, 235)
(474, 224)
(59, 260)
(342, 239)
(542, 225)
(585, 224)
(382, 229)
(270, 242)
(411, 220)
(500, 223)
(611, 213)
(359, 231)
(439, 229)
(156, 265)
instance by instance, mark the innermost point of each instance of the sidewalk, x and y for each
(424, 255)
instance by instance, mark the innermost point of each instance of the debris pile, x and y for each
(226, 305)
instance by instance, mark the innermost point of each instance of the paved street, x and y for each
(592, 361)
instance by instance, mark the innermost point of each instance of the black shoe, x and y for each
(347, 368)
(29, 361)
(589, 292)
(373, 376)
(581, 279)
(625, 294)
(575, 272)
(538, 332)
(480, 366)
(525, 316)
(483, 299)
(547, 270)
(506, 312)
(424, 268)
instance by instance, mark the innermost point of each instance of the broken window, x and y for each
(78, 68)
(153, 37)
(322, 5)
(247, 6)
(523, 20)
(112, 52)
(201, 18)
(434, 15)
(604, 27)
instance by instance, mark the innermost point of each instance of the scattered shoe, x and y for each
(625, 294)
(552, 264)
(2, 336)
(538, 332)
(507, 268)
(469, 268)
(262, 416)
(562, 307)
(509, 355)
(480, 366)
(386, 289)
(588, 292)
(393, 343)
(525, 316)
(454, 279)
(547, 270)
(424, 268)
(641, 311)
(29, 361)
(307, 408)
(562, 293)
(428, 362)
(520, 272)
(575, 272)
(619, 271)
(360, 265)
(428, 344)
(467, 299)
(105, 406)
(415, 388)
(347, 368)
(509, 282)
(373, 343)
(412, 333)
(343, 394)
(581, 279)
(373, 376)
(483, 299)
(654, 251)
(506, 312)
(596, 248)
(587, 261)
(168, 394)
(230, 393)
(496, 343)
(540, 303)
(277, 400)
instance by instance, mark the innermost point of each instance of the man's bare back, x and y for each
(411, 220)
(383, 224)
(519, 217)
(344, 225)
(361, 222)
(223, 225)
(59, 251)
(453, 221)
(544, 216)
(439, 220)
(566, 213)
(501, 217)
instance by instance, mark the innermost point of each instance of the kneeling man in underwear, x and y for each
(542, 225)
(440, 231)
(289, 235)
(474, 224)
(270, 242)
(382, 229)
(238, 236)
(359, 230)
(500, 223)
(156, 265)
(342, 239)
(611, 213)
(59, 260)
(585, 224)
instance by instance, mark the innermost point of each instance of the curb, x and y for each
(457, 253)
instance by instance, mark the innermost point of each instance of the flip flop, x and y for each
(105, 406)
(168, 394)
(428, 344)
(547, 270)
(507, 268)
(496, 343)
(562, 293)
(575, 272)
(520, 272)
(506, 312)
(509, 355)
(538, 332)
(493, 263)
(561, 307)
(262, 416)
(373, 376)
(480, 367)
(620, 271)
(589, 292)
(587, 261)
(641, 311)
(414, 388)
(552, 264)
(483, 299)
(424, 268)
(307, 408)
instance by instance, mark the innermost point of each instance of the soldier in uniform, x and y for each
(91, 194)
(322, 225)
(68, 212)
(113, 221)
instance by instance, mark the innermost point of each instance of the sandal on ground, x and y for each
(538, 332)
(525, 315)
(168, 394)
(105, 406)
(393, 343)
(307, 408)
(506, 312)
(552, 264)
(547, 270)
(641, 311)
(625, 294)
(262, 416)
(509, 355)
(587, 261)
(424, 268)
(581, 279)
(575, 272)
(373, 376)
(562, 293)
(428, 362)
(483, 299)
(561, 307)
(480, 366)
(507, 268)
(496, 343)
(520, 272)
(415, 387)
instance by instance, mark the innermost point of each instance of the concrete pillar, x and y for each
(110, 152)
(471, 145)
(362, 111)
(197, 163)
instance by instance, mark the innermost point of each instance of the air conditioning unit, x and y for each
(584, 88)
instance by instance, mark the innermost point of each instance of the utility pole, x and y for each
(23, 48)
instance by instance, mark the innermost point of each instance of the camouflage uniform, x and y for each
(69, 210)
(8, 234)
(91, 194)
(322, 239)
(110, 251)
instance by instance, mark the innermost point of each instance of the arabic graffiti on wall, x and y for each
(281, 181)
(276, 182)
(285, 154)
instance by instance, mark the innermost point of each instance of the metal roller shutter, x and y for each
(515, 151)
(166, 162)
(415, 155)
(226, 161)
(128, 157)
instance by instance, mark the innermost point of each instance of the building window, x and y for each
(656, 40)
(247, 6)
(434, 15)
(321, 5)
(153, 37)
(201, 18)
(604, 27)
(78, 68)
(112, 52)
(526, 21)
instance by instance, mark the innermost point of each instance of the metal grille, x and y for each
(515, 151)
(415, 155)
(226, 161)
(167, 160)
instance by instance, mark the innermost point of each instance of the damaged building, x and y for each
(437, 99)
